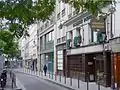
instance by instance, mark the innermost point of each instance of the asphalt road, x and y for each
(34, 83)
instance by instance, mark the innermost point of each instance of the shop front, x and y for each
(91, 66)
(49, 61)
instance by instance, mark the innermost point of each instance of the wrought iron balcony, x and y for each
(69, 43)
(77, 41)
(101, 37)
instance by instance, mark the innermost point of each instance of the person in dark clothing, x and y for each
(45, 69)
(3, 78)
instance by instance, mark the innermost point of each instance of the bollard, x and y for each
(39, 73)
(52, 75)
(113, 83)
(55, 77)
(49, 74)
(60, 77)
(71, 81)
(98, 83)
(36, 73)
(65, 79)
(78, 82)
(87, 81)
(15, 80)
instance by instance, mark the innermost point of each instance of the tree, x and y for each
(92, 6)
(8, 44)
(19, 14)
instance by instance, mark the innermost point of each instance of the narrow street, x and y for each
(35, 83)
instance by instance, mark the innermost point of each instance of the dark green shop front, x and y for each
(50, 61)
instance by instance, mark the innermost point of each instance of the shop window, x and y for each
(60, 60)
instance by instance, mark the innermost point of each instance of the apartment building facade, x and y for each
(30, 48)
(92, 47)
(45, 40)
(76, 44)
(61, 17)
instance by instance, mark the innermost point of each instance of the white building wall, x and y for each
(28, 45)
(33, 41)
(86, 34)
(116, 20)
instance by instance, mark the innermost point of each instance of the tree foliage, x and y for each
(19, 14)
(92, 6)
(8, 44)
(16, 16)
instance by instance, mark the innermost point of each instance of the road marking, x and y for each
(19, 85)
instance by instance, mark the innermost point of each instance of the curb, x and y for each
(68, 87)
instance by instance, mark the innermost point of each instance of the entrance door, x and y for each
(90, 66)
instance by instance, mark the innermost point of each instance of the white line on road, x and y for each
(19, 85)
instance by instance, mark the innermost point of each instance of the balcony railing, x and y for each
(101, 37)
(74, 43)
(77, 41)
(61, 40)
(69, 43)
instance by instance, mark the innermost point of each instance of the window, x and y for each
(78, 31)
(50, 36)
(63, 12)
(41, 43)
(70, 35)
(58, 40)
(58, 16)
(98, 30)
(98, 35)
(60, 60)
(63, 38)
(47, 37)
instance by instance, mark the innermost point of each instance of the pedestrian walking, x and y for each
(45, 69)
(3, 80)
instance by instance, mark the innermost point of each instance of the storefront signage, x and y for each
(98, 24)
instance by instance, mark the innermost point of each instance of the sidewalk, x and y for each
(69, 83)
(8, 84)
